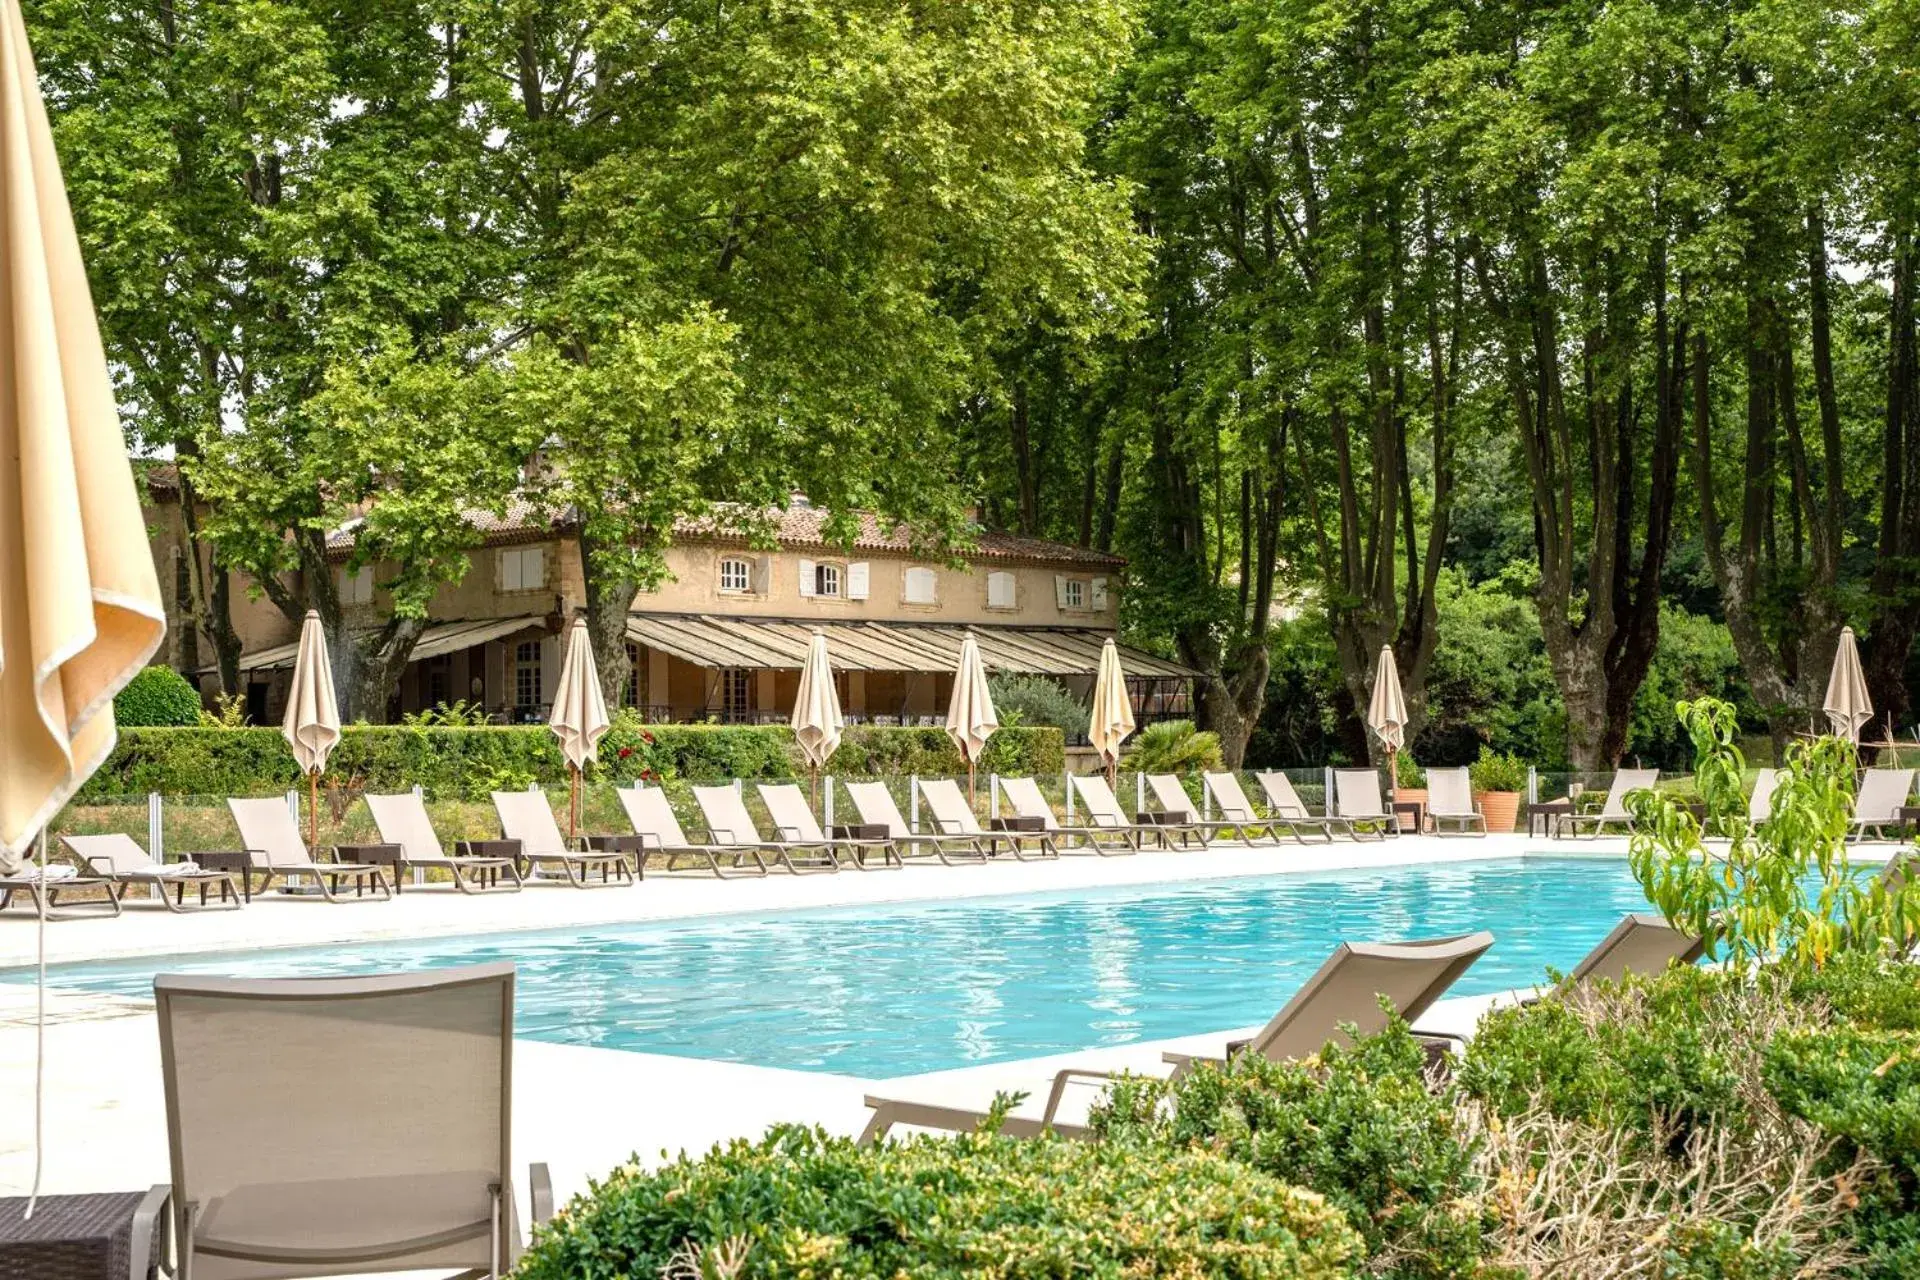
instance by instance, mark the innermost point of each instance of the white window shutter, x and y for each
(1097, 594)
(763, 575)
(1000, 590)
(857, 580)
(509, 570)
(807, 579)
(533, 569)
(1060, 590)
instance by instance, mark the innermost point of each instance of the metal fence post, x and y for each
(1066, 780)
(1206, 802)
(1139, 792)
(1533, 786)
(993, 795)
(156, 828)
(826, 802)
(913, 803)
(1326, 794)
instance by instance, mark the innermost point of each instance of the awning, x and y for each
(438, 638)
(708, 640)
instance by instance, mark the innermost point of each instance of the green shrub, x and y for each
(1409, 774)
(1496, 772)
(1173, 746)
(465, 763)
(800, 1204)
(156, 696)
(1034, 700)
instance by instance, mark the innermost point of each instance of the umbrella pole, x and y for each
(970, 797)
(313, 810)
(573, 801)
(1393, 775)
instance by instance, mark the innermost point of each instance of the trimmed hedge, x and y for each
(156, 696)
(466, 763)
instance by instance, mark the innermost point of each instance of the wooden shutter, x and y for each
(857, 580)
(1097, 594)
(763, 575)
(807, 579)
(1000, 590)
(1060, 590)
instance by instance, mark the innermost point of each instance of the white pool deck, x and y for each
(586, 1110)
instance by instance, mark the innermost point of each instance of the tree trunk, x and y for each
(609, 600)
(1896, 575)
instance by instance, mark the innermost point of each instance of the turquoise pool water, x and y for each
(896, 990)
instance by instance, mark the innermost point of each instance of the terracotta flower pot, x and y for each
(1501, 808)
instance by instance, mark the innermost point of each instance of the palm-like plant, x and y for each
(1173, 746)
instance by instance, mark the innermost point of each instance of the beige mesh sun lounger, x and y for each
(1345, 990)
(402, 820)
(794, 823)
(1642, 943)
(1023, 796)
(659, 830)
(876, 808)
(123, 864)
(1286, 806)
(1877, 805)
(1450, 799)
(1614, 811)
(1105, 814)
(1230, 800)
(60, 881)
(1760, 803)
(526, 817)
(954, 817)
(1357, 796)
(729, 826)
(336, 1126)
(1173, 798)
(271, 835)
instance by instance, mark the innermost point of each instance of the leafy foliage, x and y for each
(156, 696)
(1172, 746)
(1022, 700)
(1494, 771)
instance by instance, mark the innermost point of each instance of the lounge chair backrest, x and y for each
(876, 806)
(1024, 795)
(1358, 792)
(1760, 803)
(1102, 807)
(1281, 797)
(653, 819)
(1230, 797)
(402, 820)
(279, 1165)
(1641, 943)
(1625, 783)
(268, 827)
(1882, 793)
(116, 854)
(952, 815)
(726, 815)
(527, 817)
(793, 819)
(1171, 796)
(1348, 987)
(1450, 793)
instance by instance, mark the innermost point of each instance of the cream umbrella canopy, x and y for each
(579, 715)
(971, 719)
(1112, 718)
(80, 607)
(1847, 706)
(312, 723)
(1387, 715)
(817, 721)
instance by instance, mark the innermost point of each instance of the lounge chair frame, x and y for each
(1613, 810)
(1286, 806)
(255, 810)
(1106, 817)
(470, 871)
(123, 873)
(661, 834)
(1024, 795)
(576, 862)
(877, 808)
(1888, 790)
(795, 825)
(45, 896)
(1172, 798)
(737, 830)
(956, 820)
(1464, 820)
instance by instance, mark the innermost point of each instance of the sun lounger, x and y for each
(1357, 796)
(877, 809)
(659, 830)
(61, 880)
(729, 825)
(1345, 990)
(527, 818)
(1231, 802)
(1877, 805)
(342, 1125)
(1760, 803)
(1023, 797)
(276, 849)
(120, 861)
(1105, 814)
(402, 820)
(1614, 811)
(794, 823)
(1173, 799)
(953, 816)
(1285, 805)
(1450, 799)
(1642, 943)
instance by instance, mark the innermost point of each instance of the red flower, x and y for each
(647, 738)
(625, 752)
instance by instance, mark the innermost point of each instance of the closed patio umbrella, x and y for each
(80, 607)
(817, 721)
(579, 716)
(1387, 715)
(1112, 718)
(1847, 706)
(971, 719)
(312, 723)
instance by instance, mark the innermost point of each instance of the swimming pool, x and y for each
(896, 990)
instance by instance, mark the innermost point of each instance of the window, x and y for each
(1000, 591)
(735, 575)
(631, 690)
(526, 674)
(523, 569)
(826, 579)
(919, 586)
(735, 683)
(439, 680)
(1075, 595)
(356, 585)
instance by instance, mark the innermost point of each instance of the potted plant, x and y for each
(1497, 782)
(1413, 782)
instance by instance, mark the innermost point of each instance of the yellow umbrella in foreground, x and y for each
(1387, 715)
(312, 723)
(1847, 705)
(579, 716)
(80, 608)
(1112, 718)
(817, 721)
(971, 719)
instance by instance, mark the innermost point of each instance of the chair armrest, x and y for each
(152, 1210)
(540, 1192)
(786, 834)
(94, 867)
(1067, 1076)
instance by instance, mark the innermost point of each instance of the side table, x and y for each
(237, 863)
(1909, 816)
(858, 831)
(1409, 811)
(392, 857)
(1543, 819)
(629, 843)
(118, 1235)
(1017, 822)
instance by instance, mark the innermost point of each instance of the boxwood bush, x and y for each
(800, 1203)
(156, 696)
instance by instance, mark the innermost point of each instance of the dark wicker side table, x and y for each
(389, 857)
(118, 1235)
(1543, 819)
